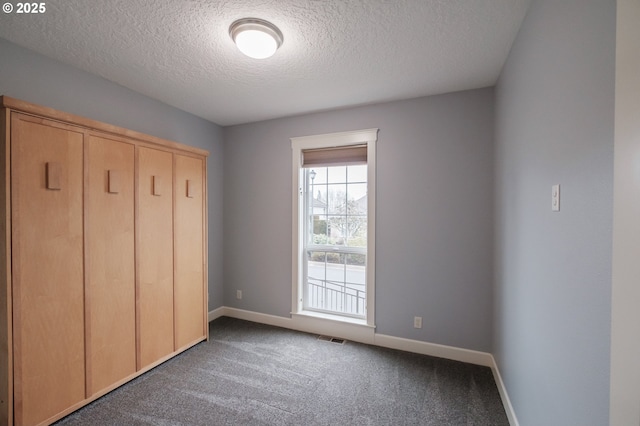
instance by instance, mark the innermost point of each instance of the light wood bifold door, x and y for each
(189, 251)
(155, 255)
(110, 294)
(48, 283)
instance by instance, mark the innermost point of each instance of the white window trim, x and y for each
(330, 140)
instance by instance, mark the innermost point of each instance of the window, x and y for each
(334, 224)
(335, 240)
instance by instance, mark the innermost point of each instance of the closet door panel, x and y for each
(155, 255)
(111, 338)
(48, 282)
(189, 251)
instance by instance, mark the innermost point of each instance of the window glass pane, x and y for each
(336, 227)
(320, 230)
(355, 259)
(355, 283)
(357, 198)
(337, 198)
(357, 173)
(319, 199)
(316, 279)
(320, 175)
(335, 284)
(357, 231)
(316, 260)
(337, 174)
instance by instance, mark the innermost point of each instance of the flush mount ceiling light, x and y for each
(256, 38)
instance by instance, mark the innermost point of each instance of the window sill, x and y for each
(353, 329)
(334, 318)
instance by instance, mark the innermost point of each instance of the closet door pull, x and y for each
(54, 173)
(190, 189)
(157, 183)
(113, 186)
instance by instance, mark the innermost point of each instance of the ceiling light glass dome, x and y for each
(255, 37)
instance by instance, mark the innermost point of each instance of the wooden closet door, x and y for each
(48, 283)
(190, 325)
(154, 255)
(111, 329)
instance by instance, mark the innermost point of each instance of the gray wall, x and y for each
(34, 78)
(555, 117)
(434, 214)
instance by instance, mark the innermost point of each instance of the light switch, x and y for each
(555, 198)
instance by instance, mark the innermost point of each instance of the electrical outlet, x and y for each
(417, 322)
(238, 294)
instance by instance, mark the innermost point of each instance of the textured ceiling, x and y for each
(335, 53)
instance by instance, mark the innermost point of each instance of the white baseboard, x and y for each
(506, 402)
(367, 334)
(255, 317)
(216, 313)
(433, 349)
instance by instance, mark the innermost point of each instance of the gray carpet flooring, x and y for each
(254, 374)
